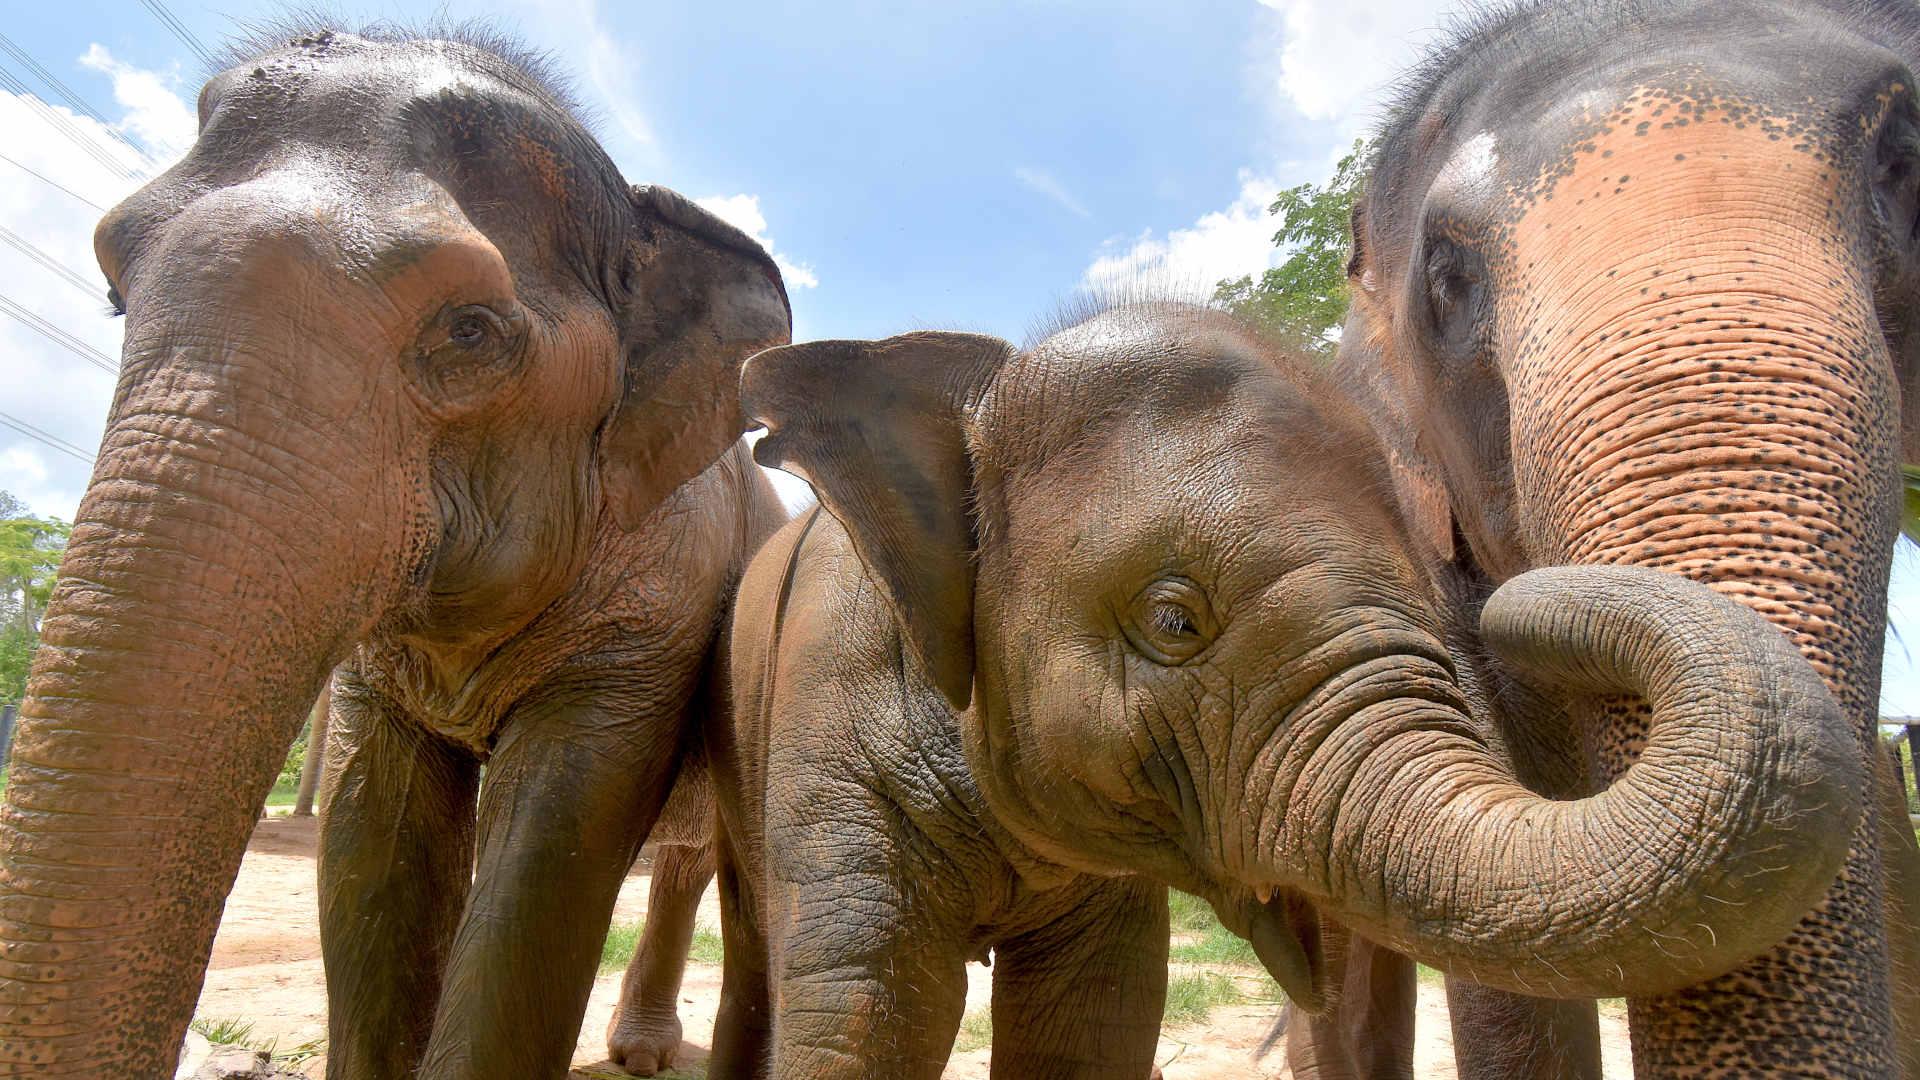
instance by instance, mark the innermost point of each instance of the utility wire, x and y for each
(54, 441)
(186, 36)
(53, 184)
(59, 269)
(58, 336)
(74, 101)
(12, 83)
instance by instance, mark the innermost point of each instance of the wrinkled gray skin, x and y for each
(860, 869)
(414, 383)
(1184, 648)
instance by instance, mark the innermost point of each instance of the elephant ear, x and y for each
(879, 428)
(695, 298)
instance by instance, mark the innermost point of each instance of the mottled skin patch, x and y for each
(416, 385)
(1666, 324)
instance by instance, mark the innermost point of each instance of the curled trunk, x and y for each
(1702, 854)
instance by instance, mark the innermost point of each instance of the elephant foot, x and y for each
(643, 1045)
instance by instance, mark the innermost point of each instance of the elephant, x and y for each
(860, 871)
(1152, 566)
(643, 1036)
(1633, 285)
(414, 383)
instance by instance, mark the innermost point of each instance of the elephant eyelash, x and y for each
(116, 306)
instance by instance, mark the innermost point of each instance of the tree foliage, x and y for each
(1303, 301)
(30, 550)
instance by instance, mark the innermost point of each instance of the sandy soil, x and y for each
(266, 970)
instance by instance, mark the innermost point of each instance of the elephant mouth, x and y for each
(1284, 930)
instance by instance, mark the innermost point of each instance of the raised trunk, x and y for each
(1701, 855)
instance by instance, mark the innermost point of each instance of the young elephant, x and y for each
(1162, 564)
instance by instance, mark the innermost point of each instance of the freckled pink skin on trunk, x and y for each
(1697, 381)
(1719, 404)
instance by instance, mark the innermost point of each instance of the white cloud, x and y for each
(1044, 183)
(155, 113)
(1337, 56)
(40, 382)
(1189, 261)
(743, 213)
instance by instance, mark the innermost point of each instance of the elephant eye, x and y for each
(465, 353)
(1170, 622)
(472, 326)
(1455, 277)
(115, 302)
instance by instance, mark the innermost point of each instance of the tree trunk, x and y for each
(316, 751)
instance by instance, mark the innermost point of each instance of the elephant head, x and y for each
(1150, 560)
(1638, 282)
(402, 349)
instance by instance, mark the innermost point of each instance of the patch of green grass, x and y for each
(285, 792)
(622, 940)
(1189, 914)
(976, 1030)
(225, 1030)
(706, 948)
(234, 1031)
(1192, 995)
(1216, 945)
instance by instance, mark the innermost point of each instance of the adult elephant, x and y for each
(412, 380)
(1638, 283)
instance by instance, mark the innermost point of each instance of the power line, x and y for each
(21, 244)
(59, 337)
(186, 36)
(73, 100)
(53, 184)
(64, 126)
(53, 441)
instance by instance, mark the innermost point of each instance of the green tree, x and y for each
(1304, 300)
(30, 550)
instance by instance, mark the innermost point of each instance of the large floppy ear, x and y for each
(879, 428)
(695, 297)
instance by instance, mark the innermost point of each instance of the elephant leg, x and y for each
(1497, 1035)
(645, 1031)
(570, 793)
(868, 961)
(1082, 996)
(1368, 1033)
(1900, 857)
(396, 852)
(741, 1047)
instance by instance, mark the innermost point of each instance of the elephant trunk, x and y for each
(1699, 856)
(209, 585)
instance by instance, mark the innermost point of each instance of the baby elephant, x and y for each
(1136, 602)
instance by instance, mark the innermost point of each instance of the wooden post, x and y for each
(316, 751)
(1899, 769)
(1913, 745)
(7, 713)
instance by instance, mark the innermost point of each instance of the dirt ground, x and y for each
(266, 971)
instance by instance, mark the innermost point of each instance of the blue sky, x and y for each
(910, 165)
